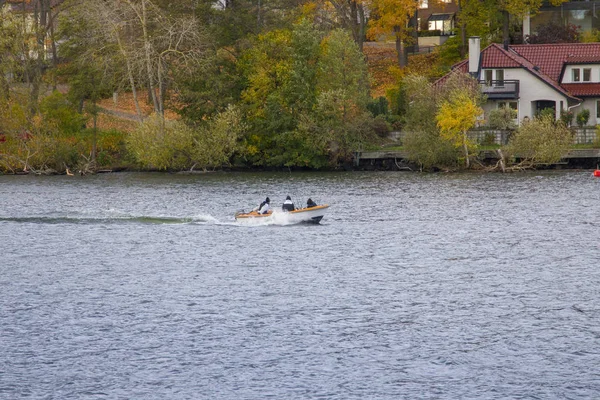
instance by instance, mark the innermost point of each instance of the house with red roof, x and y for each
(533, 77)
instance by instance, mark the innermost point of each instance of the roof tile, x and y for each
(583, 89)
(551, 57)
(494, 57)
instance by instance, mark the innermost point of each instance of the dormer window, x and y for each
(581, 75)
(587, 74)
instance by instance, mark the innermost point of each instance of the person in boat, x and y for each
(310, 203)
(288, 205)
(264, 206)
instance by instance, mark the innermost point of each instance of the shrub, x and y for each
(380, 126)
(215, 144)
(566, 117)
(583, 117)
(111, 146)
(503, 118)
(488, 139)
(429, 150)
(161, 144)
(547, 113)
(590, 36)
(433, 32)
(378, 106)
(540, 141)
(59, 113)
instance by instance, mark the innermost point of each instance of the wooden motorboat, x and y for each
(301, 215)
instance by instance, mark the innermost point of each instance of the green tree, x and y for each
(90, 69)
(236, 21)
(281, 71)
(298, 83)
(11, 39)
(422, 139)
(342, 86)
(267, 68)
(342, 66)
(215, 143)
(210, 89)
(44, 143)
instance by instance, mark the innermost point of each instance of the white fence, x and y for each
(494, 136)
(585, 135)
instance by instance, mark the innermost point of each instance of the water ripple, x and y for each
(414, 286)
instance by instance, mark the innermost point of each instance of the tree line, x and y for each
(270, 84)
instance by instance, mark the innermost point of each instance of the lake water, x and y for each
(416, 286)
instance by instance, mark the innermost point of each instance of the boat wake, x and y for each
(113, 217)
(112, 220)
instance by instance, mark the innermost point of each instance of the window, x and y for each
(587, 74)
(500, 77)
(512, 104)
(598, 109)
(576, 76)
(423, 3)
(443, 22)
(488, 77)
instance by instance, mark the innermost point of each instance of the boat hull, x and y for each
(312, 215)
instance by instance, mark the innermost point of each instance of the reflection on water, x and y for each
(413, 286)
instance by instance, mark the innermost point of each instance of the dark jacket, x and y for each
(288, 205)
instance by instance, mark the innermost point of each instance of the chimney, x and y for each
(474, 53)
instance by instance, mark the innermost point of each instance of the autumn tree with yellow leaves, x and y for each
(393, 16)
(455, 117)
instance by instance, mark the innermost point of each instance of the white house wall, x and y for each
(530, 89)
(590, 104)
(568, 75)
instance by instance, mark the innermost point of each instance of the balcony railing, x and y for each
(506, 89)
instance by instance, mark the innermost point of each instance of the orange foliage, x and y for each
(108, 122)
(380, 59)
(383, 66)
(125, 115)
